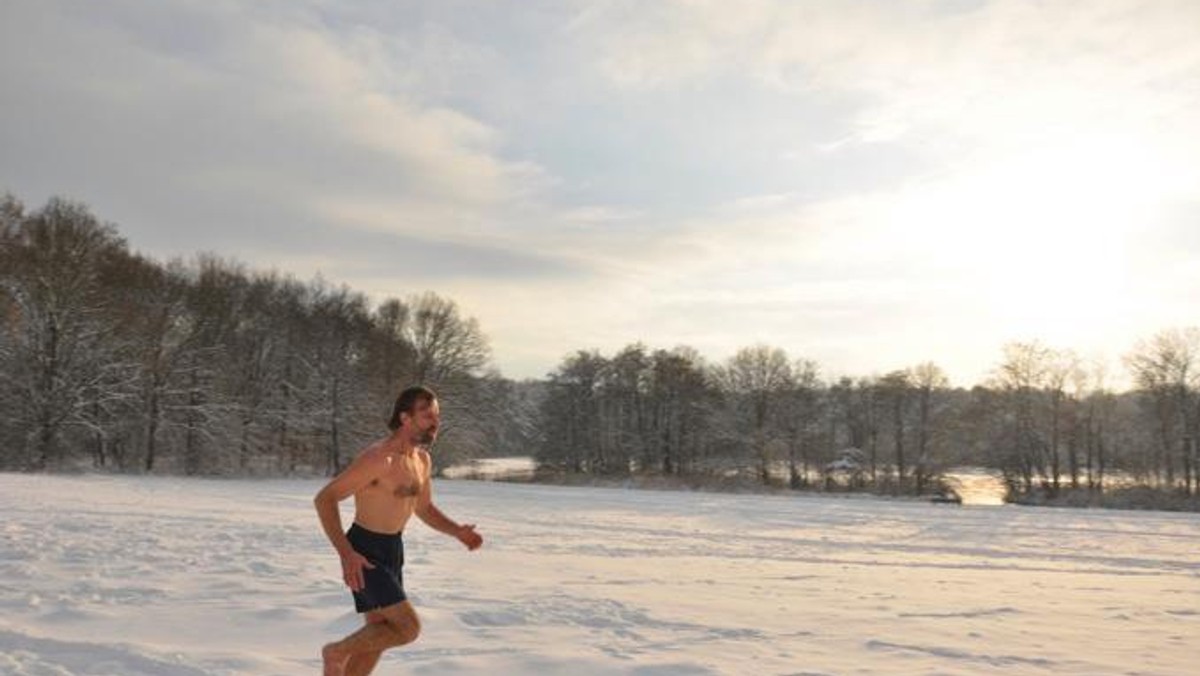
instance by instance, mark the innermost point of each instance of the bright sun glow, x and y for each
(1043, 235)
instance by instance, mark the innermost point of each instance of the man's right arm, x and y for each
(360, 472)
(366, 467)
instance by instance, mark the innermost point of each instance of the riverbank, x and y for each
(971, 485)
(1130, 497)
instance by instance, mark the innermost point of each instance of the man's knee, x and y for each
(407, 630)
(404, 623)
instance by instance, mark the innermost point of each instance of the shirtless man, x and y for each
(390, 481)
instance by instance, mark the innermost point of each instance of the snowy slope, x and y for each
(119, 575)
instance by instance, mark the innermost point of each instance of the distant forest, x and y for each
(111, 360)
(205, 367)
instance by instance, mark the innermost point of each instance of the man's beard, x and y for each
(427, 437)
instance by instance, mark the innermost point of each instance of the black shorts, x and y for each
(383, 585)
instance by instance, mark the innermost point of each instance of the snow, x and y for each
(127, 575)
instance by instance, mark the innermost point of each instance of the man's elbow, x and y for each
(324, 497)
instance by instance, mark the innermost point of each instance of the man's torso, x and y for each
(386, 504)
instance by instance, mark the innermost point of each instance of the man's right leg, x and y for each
(389, 627)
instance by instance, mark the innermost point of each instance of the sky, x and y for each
(869, 185)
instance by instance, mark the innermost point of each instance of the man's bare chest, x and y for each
(402, 480)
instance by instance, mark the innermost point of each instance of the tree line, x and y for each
(111, 359)
(1048, 422)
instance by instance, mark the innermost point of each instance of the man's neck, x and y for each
(403, 445)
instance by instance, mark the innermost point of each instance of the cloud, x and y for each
(863, 183)
(941, 73)
(280, 104)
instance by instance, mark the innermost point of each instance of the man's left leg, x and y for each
(361, 664)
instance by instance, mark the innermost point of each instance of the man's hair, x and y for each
(407, 401)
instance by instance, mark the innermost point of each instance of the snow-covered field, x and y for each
(119, 575)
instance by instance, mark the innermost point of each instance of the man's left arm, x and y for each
(435, 519)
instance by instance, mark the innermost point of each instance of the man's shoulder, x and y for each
(378, 453)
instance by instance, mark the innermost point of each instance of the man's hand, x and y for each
(467, 535)
(352, 569)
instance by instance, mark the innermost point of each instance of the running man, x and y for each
(390, 481)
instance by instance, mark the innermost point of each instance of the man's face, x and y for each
(423, 422)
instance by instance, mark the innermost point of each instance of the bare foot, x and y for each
(335, 661)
